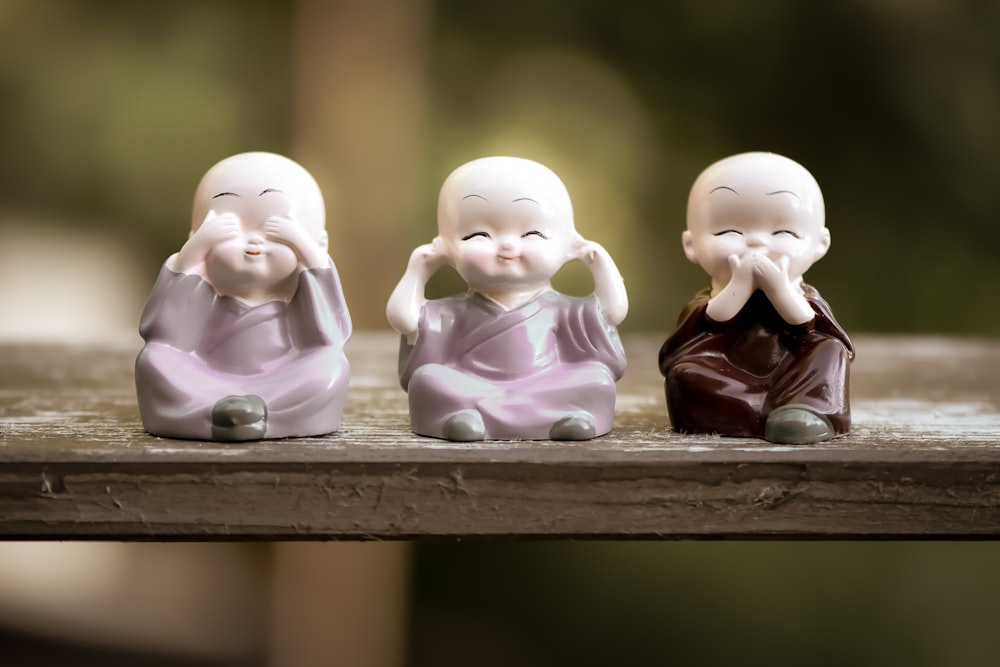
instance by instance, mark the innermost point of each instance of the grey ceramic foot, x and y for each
(796, 424)
(572, 428)
(237, 418)
(464, 426)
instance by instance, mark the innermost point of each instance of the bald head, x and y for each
(750, 178)
(261, 184)
(501, 183)
(754, 204)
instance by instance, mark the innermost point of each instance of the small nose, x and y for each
(508, 243)
(756, 240)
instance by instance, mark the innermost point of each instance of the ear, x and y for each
(822, 244)
(687, 240)
(324, 241)
(576, 242)
(440, 246)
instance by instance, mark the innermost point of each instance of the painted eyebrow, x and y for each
(724, 187)
(272, 190)
(526, 199)
(475, 195)
(225, 194)
(785, 192)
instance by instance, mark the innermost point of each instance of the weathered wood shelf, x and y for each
(923, 461)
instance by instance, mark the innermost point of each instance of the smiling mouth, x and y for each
(253, 253)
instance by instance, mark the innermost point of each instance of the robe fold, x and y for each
(201, 347)
(522, 369)
(727, 377)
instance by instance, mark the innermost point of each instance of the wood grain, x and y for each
(923, 461)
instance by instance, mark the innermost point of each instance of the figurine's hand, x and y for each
(406, 301)
(735, 264)
(730, 298)
(609, 287)
(286, 230)
(770, 276)
(283, 229)
(584, 250)
(741, 272)
(784, 294)
(429, 257)
(215, 229)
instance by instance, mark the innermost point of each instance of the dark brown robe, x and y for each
(727, 377)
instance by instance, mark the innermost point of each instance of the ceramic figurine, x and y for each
(246, 325)
(510, 358)
(758, 354)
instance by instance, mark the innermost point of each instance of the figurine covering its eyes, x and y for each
(510, 358)
(759, 353)
(246, 325)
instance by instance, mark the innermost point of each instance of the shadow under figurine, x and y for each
(510, 358)
(759, 353)
(246, 325)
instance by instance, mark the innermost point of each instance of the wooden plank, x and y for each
(923, 461)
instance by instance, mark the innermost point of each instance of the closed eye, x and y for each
(728, 231)
(534, 232)
(475, 234)
(785, 231)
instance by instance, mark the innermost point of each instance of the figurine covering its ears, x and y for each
(246, 325)
(758, 354)
(510, 358)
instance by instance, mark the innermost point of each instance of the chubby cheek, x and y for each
(228, 252)
(277, 259)
(544, 259)
(281, 265)
(719, 250)
(478, 257)
(282, 258)
(800, 259)
(797, 248)
(794, 249)
(713, 258)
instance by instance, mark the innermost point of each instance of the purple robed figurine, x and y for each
(510, 358)
(246, 325)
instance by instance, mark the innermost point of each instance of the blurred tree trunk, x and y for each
(358, 120)
(358, 117)
(341, 603)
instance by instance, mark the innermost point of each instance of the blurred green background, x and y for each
(111, 110)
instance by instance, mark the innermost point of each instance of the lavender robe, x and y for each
(523, 369)
(201, 347)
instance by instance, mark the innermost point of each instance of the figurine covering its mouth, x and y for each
(758, 353)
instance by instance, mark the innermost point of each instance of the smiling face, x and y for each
(507, 223)
(253, 187)
(755, 204)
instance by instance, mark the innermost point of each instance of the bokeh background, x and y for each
(111, 110)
